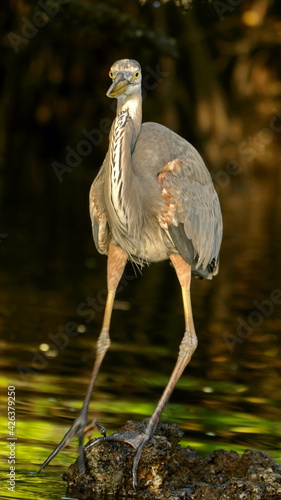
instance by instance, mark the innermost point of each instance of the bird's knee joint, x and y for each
(103, 342)
(188, 343)
(194, 342)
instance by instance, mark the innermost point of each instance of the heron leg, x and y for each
(117, 259)
(186, 350)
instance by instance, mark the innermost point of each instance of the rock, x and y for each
(168, 472)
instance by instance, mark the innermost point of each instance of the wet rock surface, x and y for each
(167, 471)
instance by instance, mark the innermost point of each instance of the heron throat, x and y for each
(123, 138)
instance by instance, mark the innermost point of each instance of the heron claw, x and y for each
(78, 428)
(137, 440)
(134, 439)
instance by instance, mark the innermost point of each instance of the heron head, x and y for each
(126, 78)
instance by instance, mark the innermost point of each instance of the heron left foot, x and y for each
(137, 440)
(78, 428)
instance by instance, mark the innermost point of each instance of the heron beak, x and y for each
(118, 86)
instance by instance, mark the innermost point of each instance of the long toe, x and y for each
(78, 428)
(131, 438)
(137, 440)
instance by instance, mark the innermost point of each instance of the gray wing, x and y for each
(191, 213)
(100, 226)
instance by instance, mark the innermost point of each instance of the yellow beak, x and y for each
(118, 86)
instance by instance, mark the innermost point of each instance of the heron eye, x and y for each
(137, 74)
(111, 74)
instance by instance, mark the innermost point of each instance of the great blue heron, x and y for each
(153, 199)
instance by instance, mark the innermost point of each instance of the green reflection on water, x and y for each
(218, 418)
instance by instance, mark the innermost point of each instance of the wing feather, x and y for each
(98, 216)
(194, 207)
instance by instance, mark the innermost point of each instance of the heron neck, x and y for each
(134, 107)
(121, 178)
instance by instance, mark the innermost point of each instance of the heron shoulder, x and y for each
(157, 145)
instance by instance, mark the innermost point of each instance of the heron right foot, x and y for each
(78, 428)
(137, 440)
